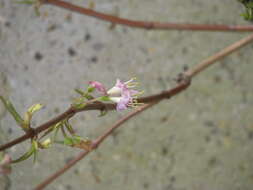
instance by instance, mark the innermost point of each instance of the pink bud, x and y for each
(100, 87)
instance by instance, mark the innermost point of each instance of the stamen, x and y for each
(139, 93)
(132, 79)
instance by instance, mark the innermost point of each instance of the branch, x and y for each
(181, 86)
(163, 95)
(212, 59)
(146, 24)
(94, 106)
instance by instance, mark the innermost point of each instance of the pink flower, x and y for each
(121, 93)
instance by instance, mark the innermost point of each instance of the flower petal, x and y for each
(99, 86)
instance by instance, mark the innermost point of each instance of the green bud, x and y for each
(46, 143)
(28, 115)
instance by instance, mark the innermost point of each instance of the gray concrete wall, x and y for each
(201, 139)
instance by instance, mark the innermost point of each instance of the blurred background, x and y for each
(200, 139)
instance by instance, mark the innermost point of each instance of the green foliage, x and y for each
(24, 123)
(9, 106)
(248, 14)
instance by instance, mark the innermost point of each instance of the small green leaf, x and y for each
(84, 94)
(71, 141)
(24, 157)
(27, 2)
(250, 5)
(79, 91)
(104, 98)
(30, 152)
(35, 150)
(34, 108)
(8, 105)
(68, 141)
(79, 106)
(90, 89)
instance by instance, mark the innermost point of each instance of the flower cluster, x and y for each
(121, 93)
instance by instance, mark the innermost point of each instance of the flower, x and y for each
(121, 93)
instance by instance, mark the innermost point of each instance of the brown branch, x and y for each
(71, 112)
(62, 171)
(146, 24)
(166, 94)
(212, 59)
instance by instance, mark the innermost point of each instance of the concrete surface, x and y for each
(201, 139)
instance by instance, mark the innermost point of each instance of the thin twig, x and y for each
(146, 24)
(212, 59)
(182, 86)
(62, 170)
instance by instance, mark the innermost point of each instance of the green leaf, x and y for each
(34, 108)
(250, 5)
(8, 105)
(35, 150)
(68, 141)
(90, 89)
(24, 157)
(28, 115)
(84, 94)
(27, 2)
(104, 98)
(79, 106)
(79, 91)
(30, 152)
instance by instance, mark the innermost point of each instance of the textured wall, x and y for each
(201, 139)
